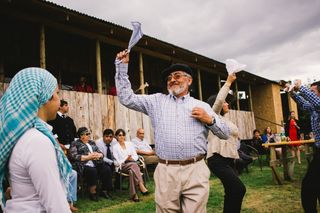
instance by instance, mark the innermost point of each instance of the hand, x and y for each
(97, 155)
(231, 78)
(123, 56)
(90, 156)
(201, 115)
(63, 147)
(287, 87)
(297, 84)
(7, 194)
(129, 158)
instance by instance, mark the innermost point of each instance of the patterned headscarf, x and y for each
(28, 91)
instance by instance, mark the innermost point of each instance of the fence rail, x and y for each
(98, 112)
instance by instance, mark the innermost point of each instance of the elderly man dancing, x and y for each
(181, 125)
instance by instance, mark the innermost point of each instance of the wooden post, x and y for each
(141, 73)
(42, 47)
(250, 98)
(236, 95)
(219, 82)
(199, 84)
(273, 163)
(98, 66)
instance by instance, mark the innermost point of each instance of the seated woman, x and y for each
(269, 137)
(257, 142)
(88, 161)
(125, 158)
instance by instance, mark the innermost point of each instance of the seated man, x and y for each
(105, 145)
(143, 148)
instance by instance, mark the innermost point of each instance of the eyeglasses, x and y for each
(87, 134)
(176, 76)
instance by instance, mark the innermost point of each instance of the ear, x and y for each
(189, 81)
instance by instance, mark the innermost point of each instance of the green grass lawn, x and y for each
(262, 195)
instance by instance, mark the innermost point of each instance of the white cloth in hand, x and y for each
(136, 34)
(233, 66)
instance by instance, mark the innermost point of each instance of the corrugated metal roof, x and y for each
(117, 25)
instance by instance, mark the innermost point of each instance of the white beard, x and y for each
(178, 90)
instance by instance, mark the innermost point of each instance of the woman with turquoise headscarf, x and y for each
(37, 168)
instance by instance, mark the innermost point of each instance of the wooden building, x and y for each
(70, 44)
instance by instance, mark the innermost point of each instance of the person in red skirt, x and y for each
(293, 132)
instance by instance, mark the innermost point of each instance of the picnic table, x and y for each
(287, 161)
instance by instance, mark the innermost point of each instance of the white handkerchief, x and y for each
(233, 66)
(136, 34)
(289, 88)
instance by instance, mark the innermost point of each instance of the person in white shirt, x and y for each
(126, 159)
(144, 149)
(107, 142)
(38, 169)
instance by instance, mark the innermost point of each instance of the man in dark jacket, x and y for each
(63, 126)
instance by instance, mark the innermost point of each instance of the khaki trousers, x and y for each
(182, 188)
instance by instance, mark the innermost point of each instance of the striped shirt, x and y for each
(177, 135)
(311, 102)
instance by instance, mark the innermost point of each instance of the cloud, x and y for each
(276, 39)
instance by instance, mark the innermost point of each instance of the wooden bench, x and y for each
(287, 162)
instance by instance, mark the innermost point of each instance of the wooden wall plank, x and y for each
(110, 116)
(82, 110)
(104, 112)
(244, 121)
(122, 117)
(95, 118)
(135, 122)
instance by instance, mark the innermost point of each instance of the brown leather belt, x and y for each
(182, 162)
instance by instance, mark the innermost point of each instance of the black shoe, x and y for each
(145, 193)
(135, 198)
(94, 197)
(106, 195)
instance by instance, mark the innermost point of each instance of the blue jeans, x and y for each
(72, 195)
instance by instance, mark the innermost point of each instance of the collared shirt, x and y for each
(177, 135)
(60, 114)
(102, 147)
(311, 102)
(141, 144)
(121, 155)
(90, 162)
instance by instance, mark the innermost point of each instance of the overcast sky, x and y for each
(277, 39)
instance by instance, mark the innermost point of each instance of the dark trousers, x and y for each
(101, 171)
(310, 188)
(234, 189)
